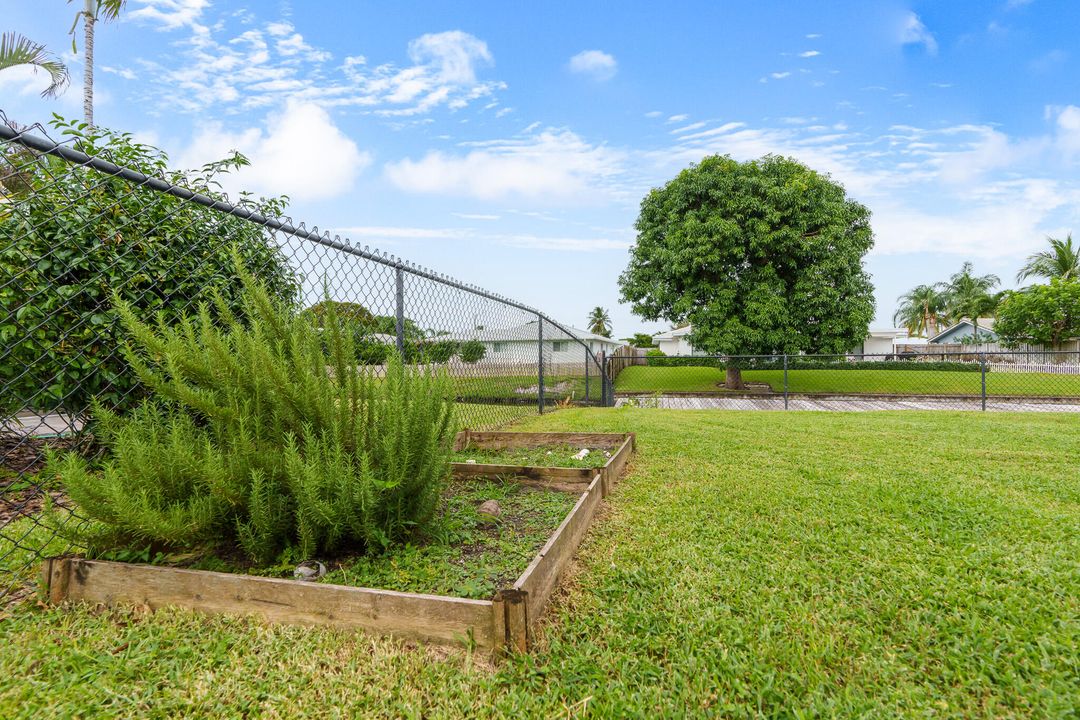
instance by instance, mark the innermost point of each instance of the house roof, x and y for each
(673, 333)
(892, 333)
(986, 324)
(527, 332)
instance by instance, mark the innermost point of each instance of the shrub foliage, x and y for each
(71, 237)
(264, 434)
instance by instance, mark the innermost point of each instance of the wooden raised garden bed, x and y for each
(502, 624)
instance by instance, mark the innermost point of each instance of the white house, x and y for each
(675, 342)
(878, 342)
(518, 343)
(881, 341)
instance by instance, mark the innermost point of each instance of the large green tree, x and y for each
(599, 321)
(1040, 314)
(73, 239)
(968, 295)
(762, 257)
(1062, 260)
(922, 309)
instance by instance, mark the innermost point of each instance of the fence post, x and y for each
(540, 364)
(603, 378)
(399, 319)
(982, 367)
(588, 357)
(785, 381)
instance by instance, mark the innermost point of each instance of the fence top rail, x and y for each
(42, 143)
(899, 356)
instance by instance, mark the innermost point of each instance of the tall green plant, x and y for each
(264, 434)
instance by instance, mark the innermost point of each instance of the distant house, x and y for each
(675, 342)
(882, 341)
(956, 332)
(518, 343)
(878, 342)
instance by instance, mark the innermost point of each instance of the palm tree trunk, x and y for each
(88, 68)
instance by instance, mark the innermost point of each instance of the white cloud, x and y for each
(597, 64)
(809, 54)
(475, 216)
(779, 75)
(269, 65)
(653, 114)
(550, 164)
(678, 118)
(687, 128)
(300, 153)
(169, 14)
(914, 32)
(812, 36)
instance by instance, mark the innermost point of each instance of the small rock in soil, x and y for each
(470, 461)
(309, 570)
(581, 454)
(490, 509)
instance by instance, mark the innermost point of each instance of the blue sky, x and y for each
(509, 144)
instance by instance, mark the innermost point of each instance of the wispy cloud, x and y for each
(552, 164)
(914, 32)
(264, 66)
(809, 54)
(596, 64)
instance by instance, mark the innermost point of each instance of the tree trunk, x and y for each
(88, 62)
(733, 378)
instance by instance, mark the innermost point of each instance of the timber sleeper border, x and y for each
(504, 624)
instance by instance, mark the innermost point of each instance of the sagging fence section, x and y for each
(1047, 381)
(92, 218)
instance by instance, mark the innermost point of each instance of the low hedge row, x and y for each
(796, 364)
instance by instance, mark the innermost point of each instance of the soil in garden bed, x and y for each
(546, 456)
(463, 553)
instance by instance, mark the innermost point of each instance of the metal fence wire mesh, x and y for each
(1031, 380)
(78, 228)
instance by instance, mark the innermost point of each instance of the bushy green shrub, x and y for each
(472, 351)
(263, 434)
(70, 238)
(438, 351)
(796, 363)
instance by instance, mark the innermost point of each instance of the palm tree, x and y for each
(93, 11)
(1062, 260)
(921, 310)
(968, 295)
(600, 322)
(16, 49)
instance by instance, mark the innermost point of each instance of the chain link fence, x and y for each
(1047, 381)
(79, 227)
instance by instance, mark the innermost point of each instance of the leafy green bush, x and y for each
(71, 237)
(263, 435)
(795, 363)
(472, 351)
(439, 351)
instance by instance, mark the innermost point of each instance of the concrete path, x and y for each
(845, 404)
(28, 424)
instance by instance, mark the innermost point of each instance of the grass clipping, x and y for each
(264, 434)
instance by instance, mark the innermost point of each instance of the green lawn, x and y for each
(789, 565)
(902, 382)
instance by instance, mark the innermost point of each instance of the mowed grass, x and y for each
(750, 564)
(901, 382)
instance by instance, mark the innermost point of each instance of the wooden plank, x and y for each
(516, 604)
(614, 467)
(461, 441)
(431, 618)
(542, 575)
(500, 440)
(569, 478)
(54, 577)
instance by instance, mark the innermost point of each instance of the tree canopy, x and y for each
(761, 257)
(1062, 260)
(1040, 314)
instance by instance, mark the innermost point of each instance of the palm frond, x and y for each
(16, 49)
